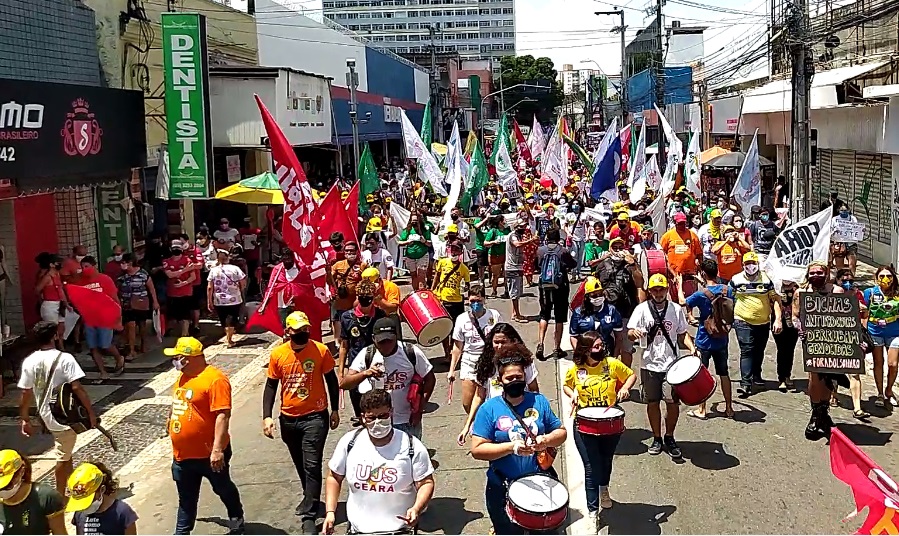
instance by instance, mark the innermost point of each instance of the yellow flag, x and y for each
(470, 142)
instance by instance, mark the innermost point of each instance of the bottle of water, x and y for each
(377, 362)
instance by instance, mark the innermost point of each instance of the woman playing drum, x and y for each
(594, 381)
(596, 314)
(499, 436)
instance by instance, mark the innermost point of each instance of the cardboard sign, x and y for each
(847, 231)
(833, 333)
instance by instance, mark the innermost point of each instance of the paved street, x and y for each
(754, 474)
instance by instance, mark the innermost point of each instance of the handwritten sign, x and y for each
(847, 231)
(833, 333)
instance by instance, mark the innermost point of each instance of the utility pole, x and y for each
(352, 82)
(660, 80)
(437, 114)
(622, 94)
(802, 71)
(704, 114)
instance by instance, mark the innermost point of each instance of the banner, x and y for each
(554, 163)
(477, 177)
(536, 139)
(453, 172)
(335, 214)
(607, 165)
(675, 146)
(186, 75)
(502, 134)
(426, 120)
(639, 162)
(95, 306)
(798, 245)
(417, 150)
(625, 136)
(366, 176)
(524, 152)
(847, 231)
(747, 190)
(692, 167)
(871, 487)
(581, 154)
(506, 175)
(113, 221)
(832, 342)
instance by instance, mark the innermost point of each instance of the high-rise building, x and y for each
(575, 80)
(474, 29)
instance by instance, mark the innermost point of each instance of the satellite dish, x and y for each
(832, 42)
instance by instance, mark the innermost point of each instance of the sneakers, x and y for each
(560, 353)
(593, 521)
(672, 448)
(656, 448)
(605, 500)
(236, 525)
(308, 527)
(539, 353)
(744, 392)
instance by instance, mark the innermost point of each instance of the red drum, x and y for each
(652, 262)
(426, 316)
(537, 502)
(691, 381)
(600, 421)
(578, 299)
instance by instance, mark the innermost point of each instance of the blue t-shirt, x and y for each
(881, 310)
(608, 318)
(114, 520)
(699, 300)
(357, 331)
(495, 422)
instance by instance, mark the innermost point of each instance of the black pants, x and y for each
(355, 400)
(188, 476)
(786, 343)
(305, 439)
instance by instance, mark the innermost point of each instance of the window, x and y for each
(495, 23)
(377, 27)
(472, 35)
(496, 35)
(496, 11)
(449, 24)
(376, 15)
(413, 14)
(353, 27)
(365, 27)
(364, 15)
(484, 23)
(402, 50)
(388, 15)
(507, 11)
(413, 25)
(509, 34)
(508, 23)
(509, 46)
(484, 12)
(340, 16)
(496, 47)
(328, 5)
(485, 49)
(390, 27)
(377, 38)
(415, 37)
(402, 38)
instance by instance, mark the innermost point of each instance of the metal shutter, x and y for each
(863, 200)
(821, 188)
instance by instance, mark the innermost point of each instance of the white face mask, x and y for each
(597, 302)
(751, 269)
(94, 506)
(79, 257)
(721, 204)
(178, 364)
(118, 258)
(6, 494)
(380, 428)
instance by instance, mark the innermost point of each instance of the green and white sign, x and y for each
(187, 104)
(112, 225)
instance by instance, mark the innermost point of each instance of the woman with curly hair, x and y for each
(92, 497)
(503, 336)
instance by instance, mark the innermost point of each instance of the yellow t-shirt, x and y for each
(449, 287)
(753, 300)
(598, 385)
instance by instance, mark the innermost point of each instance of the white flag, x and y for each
(606, 141)
(675, 146)
(691, 165)
(639, 161)
(797, 246)
(747, 191)
(536, 139)
(656, 210)
(552, 164)
(415, 149)
(505, 173)
(454, 172)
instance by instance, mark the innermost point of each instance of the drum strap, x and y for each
(447, 276)
(477, 325)
(659, 325)
(550, 452)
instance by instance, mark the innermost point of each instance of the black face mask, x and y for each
(176, 252)
(337, 247)
(598, 355)
(514, 388)
(455, 217)
(300, 337)
(365, 301)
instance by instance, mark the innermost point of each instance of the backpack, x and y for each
(551, 275)
(407, 349)
(719, 323)
(617, 281)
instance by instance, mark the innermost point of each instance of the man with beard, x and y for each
(660, 327)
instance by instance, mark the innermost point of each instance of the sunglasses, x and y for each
(381, 416)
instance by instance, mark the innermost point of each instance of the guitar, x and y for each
(67, 409)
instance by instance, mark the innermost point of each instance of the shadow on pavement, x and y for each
(631, 443)
(635, 518)
(447, 514)
(744, 413)
(253, 527)
(708, 455)
(865, 435)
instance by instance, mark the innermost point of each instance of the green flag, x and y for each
(477, 176)
(367, 175)
(585, 158)
(426, 126)
(502, 136)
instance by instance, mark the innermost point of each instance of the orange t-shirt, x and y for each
(345, 275)
(681, 250)
(195, 402)
(730, 261)
(302, 376)
(390, 293)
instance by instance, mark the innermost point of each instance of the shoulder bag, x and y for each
(545, 458)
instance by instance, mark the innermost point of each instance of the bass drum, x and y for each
(652, 262)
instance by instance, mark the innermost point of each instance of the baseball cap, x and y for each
(716, 213)
(452, 228)
(187, 346)
(371, 274)
(10, 462)
(374, 226)
(177, 244)
(385, 328)
(623, 216)
(297, 320)
(680, 217)
(750, 256)
(658, 280)
(592, 285)
(82, 485)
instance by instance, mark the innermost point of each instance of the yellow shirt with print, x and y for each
(448, 280)
(753, 300)
(597, 385)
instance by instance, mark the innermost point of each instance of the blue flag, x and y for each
(607, 169)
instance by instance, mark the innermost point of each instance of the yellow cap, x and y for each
(452, 228)
(370, 197)
(374, 226)
(10, 462)
(751, 256)
(344, 195)
(548, 206)
(716, 213)
(297, 320)
(658, 280)
(82, 486)
(388, 199)
(623, 216)
(371, 274)
(592, 285)
(187, 346)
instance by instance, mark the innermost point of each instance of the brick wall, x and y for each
(76, 220)
(12, 301)
(49, 41)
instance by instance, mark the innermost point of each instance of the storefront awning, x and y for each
(777, 96)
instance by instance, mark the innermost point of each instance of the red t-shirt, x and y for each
(113, 269)
(96, 281)
(173, 264)
(630, 236)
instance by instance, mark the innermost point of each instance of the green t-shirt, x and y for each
(416, 250)
(30, 515)
(479, 235)
(497, 234)
(592, 250)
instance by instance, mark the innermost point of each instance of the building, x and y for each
(474, 29)
(573, 80)
(684, 47)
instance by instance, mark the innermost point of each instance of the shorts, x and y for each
(627, 345)
(132, 315)
(64, 444)
(417, 265)
(655, 388)
(50, 312)
(483, 258)
(886, 342)
(554, 304)
(719, 357)
(514, 284)
(181, 307)
(98, 337)
(228, 311)
(455, 309)
(497, 260)
(467, 370)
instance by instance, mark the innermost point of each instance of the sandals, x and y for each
(861, 415)
(879, 402)
(697, 415)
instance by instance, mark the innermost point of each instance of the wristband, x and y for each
(515, 449)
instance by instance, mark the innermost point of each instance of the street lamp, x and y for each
(352, 82)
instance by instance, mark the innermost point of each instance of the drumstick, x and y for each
(449, 396)
(341, 398)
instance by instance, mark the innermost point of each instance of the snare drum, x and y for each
(600, 421)
(652, 262)
(537, 502)
(691, 381)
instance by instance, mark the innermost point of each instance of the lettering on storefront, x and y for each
(112, 226)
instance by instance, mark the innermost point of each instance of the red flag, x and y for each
(351, 204)
(95, 307)
(333, 217)
(625, 137)
(871, 486)
(266, 316)
(523, 150)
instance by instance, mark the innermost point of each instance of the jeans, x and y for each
(577, 252)
(411, 429)
(188, 476)
(786, 343)
(305, 439)
(495, 497)
(596, 453)
(752, 340)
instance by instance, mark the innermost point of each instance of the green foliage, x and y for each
(528, 69)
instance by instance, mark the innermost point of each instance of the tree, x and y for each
(536, 71)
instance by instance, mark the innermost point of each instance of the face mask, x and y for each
(380, 428)
(847, 285)
(886, 280)
(660, 299)
(721, 204)
(455, 217)
(514, 388)
(738, 224)
(477, 307)
(178, 364)
(365, 301)
(94, 506)
(844, 213)
(764, 217)
(576, 209)
(11, 491)
(373, 247)
(225, 227)
(817, 280)
(118, 258)
(597, 302)
(598, 355)
(337, 247)
(751, 269)
(176, 253)
(351, 256)
(301, 337)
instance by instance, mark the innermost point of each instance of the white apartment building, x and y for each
(574, 80)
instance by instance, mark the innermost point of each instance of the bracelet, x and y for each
(515, 449)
